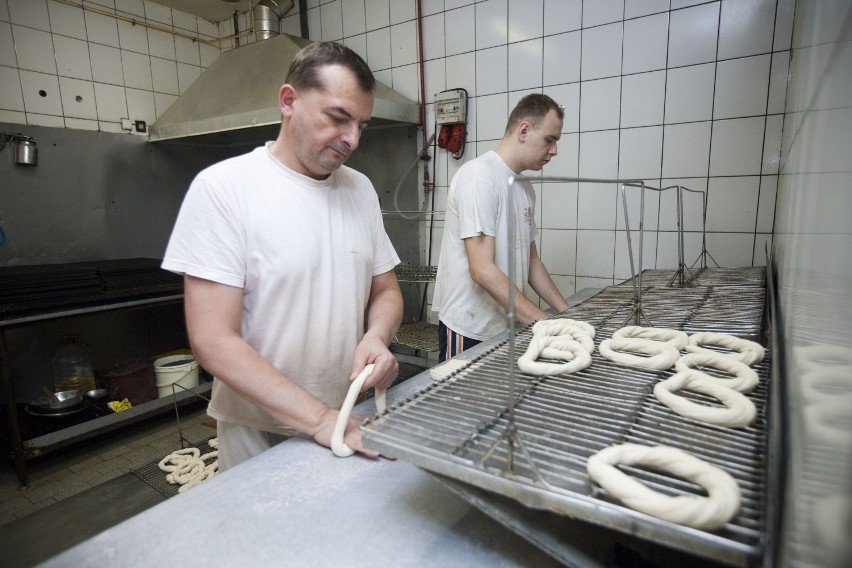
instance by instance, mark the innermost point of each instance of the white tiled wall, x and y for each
(89, 64)
(671, 91)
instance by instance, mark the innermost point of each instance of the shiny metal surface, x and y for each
(240, 91)
(458, 426)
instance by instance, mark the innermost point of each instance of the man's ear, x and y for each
(523, 130)
(286, 96)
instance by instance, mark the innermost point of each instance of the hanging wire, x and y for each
(405, 175)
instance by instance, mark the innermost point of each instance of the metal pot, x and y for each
(60, 400)
(26, 152)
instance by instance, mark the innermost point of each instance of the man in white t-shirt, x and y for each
(472, 287)
(284, 257)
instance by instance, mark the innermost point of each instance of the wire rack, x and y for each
(457, 426)
(154, 477)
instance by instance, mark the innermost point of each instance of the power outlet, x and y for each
(141, 126)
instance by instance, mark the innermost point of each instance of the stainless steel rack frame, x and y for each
(458, 426)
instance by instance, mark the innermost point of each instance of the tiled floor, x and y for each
(70, 471)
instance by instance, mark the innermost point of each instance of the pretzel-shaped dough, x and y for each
(677, 338)
(745, 378)
(554, 347)
(743, 350)
(662, 354)
(338, 446)
(561, 326)
(737, 413)
(711, 512)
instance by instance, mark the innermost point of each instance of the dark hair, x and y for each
(534, 108)
(303, 72)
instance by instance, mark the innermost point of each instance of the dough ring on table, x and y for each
(560, 326)
(575, 333)
(711, 512)
(744, 378)
(738, 411)
(338, 446)
(178, 458)
(554, 347)
(677, 338)
(742, 350)
(662, 355)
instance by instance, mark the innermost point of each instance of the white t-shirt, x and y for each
(477, 205)
(304, 252)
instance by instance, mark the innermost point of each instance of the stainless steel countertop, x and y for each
(298, 505)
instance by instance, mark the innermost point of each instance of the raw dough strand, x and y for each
(742, 350)
(560, 339)
(738, 411)
(711, 512)
(338, 446)
(622, 350)
(678, 339)
(554, 347)
(744, 377)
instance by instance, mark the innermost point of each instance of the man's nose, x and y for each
(351, 135)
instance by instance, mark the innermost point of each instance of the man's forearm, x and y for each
(496, 284)
(543, 284)
(384, 314)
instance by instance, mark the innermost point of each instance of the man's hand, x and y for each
(351, 438)
(373, 350)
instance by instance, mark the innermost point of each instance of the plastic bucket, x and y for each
(180, 370)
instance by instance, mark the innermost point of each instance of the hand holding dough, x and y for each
(338, 446)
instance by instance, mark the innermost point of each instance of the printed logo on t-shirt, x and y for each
(528, 215)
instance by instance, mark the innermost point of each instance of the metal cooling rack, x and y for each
(456, 427)
(155, 478)
(418, 335)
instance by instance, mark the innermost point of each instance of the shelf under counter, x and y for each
(106, 422)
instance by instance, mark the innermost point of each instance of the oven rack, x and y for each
(456, 427)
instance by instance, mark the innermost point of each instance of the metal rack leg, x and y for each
(12, 414)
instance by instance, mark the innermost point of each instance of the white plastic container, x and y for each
(180, 370)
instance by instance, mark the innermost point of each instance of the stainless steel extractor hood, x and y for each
(240, 90)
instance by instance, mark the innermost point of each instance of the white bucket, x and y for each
(180, 370)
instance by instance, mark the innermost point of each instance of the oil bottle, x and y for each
(72, 369)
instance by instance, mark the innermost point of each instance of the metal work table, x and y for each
(298, 505)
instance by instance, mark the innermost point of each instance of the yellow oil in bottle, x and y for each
(72, 369)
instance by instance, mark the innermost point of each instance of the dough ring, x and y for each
(737, 413)
(560, 326)
(577, 335)
(677, 338)
(744, 380)
(338, 446)
(662, 355)
(742, 350)
(711, 512)
(554, 347)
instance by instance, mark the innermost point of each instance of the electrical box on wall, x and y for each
(451, 116)
(451, 108)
